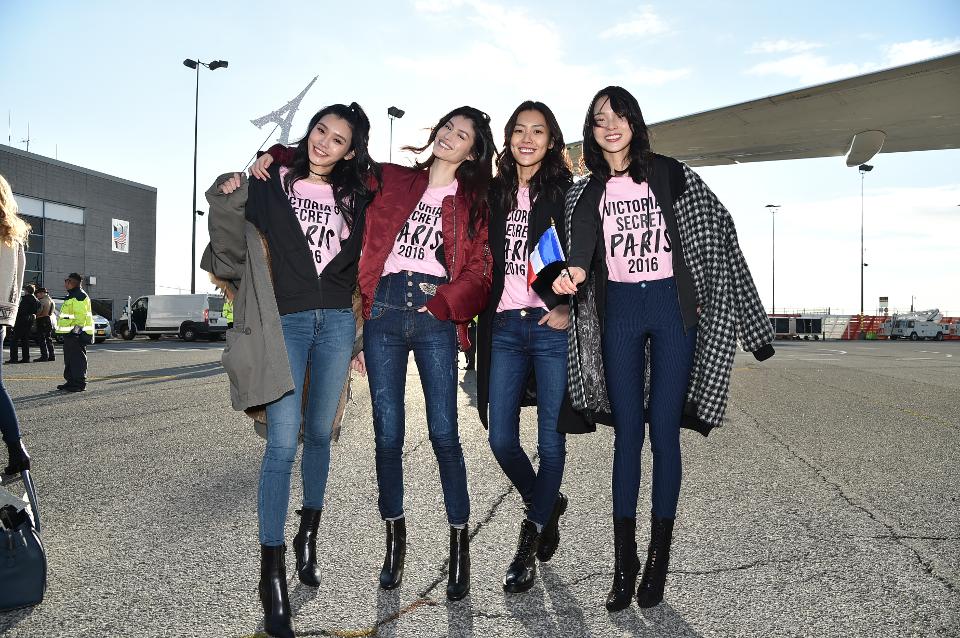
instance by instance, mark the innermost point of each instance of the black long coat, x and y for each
(544, 211)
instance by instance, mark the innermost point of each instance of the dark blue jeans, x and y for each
(9, 426)
(393, 330)
(519, 344)
(321, 340)
(635, 313)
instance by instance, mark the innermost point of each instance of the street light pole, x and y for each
(393, 113)
(773, 256)
(864, 169)
(213, 66)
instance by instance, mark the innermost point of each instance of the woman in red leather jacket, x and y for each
(425, 271)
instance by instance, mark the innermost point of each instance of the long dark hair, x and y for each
(473, 175)
(626, 106)
(352, 179)
(553, 177)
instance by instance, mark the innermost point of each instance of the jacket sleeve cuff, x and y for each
(439, 308)
(764, 352)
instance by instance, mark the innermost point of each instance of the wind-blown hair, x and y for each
(553, 177)
(626, 106)
(12, 228)
(352, 179)
(473, 175)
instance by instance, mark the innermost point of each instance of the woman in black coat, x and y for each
(522, 339)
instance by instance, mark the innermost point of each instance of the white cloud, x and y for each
(783, 46)
(809, 68)
(653, 77)
(436, 6)
(916, 50)
(647, 22)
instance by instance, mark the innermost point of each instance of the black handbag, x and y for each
(23, 562)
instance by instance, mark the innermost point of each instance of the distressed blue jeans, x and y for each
(394, 329)
(319, 340)
(520, 344)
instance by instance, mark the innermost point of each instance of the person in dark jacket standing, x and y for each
(660, 284)
(312, 215)
(522, 338)
(76, 327)
(45, 325)
(26, 315)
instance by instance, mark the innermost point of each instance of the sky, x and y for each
(102, 85)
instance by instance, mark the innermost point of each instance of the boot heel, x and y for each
(273, 592)
(305, 547)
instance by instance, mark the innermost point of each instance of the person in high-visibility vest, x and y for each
(75, 324)
(228, 312)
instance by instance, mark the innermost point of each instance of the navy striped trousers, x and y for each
(634, 313)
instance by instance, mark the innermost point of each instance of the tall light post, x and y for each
(213, 66)
(864, 169)
(773, 256)
(393, 113)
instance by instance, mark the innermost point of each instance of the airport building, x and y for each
(98, 225)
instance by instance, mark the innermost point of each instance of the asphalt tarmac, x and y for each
(828, 505)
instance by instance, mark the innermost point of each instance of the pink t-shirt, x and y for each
(322, 223)
(516, 294)
(416, 246)
(635, 232)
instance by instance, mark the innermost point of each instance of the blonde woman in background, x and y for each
(13, 235)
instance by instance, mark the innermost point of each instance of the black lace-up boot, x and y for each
(392, 573)
(273, 592)
(650, 590)
(626, 564)
(523, 570)
(19, 459)
(458, 581)
(305, 547)
(550, 536)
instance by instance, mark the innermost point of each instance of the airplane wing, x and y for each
(915, 107)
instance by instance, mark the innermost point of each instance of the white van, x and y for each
(187, 316)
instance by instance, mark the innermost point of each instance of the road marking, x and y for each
(917, 359)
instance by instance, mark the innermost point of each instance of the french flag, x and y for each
(545, 262)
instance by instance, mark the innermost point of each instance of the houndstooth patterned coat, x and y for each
(730, 310)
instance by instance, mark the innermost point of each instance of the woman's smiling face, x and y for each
(611, 132)
(454, 141)
(530, 139)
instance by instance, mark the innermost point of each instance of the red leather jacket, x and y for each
(468, 259)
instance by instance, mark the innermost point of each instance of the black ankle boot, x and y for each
(273, 592)
(650, 590)
(550, 537)
(19, 460)
(626, 564)
(523, 570)
(458, 582)
(305, 547)
(391, 575)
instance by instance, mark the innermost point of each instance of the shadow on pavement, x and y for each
(469, 386)
(460, 618)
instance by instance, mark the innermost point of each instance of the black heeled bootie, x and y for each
(392, 573)
(305, 547)
(626, 564)
(650, 590)
(458, 582)
(273, 592)
(550, 536)
(523, 570)
(19, 460)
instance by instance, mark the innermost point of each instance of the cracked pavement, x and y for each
(829, 505)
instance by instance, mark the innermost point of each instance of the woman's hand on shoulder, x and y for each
(567, 281)
(231, 184)
(259, 168)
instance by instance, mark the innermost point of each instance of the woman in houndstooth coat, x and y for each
(661, 295)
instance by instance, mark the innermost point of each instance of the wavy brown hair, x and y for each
(473, 175)
(12, 228)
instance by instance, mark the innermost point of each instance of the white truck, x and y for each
(923, 324)
(187, 316)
